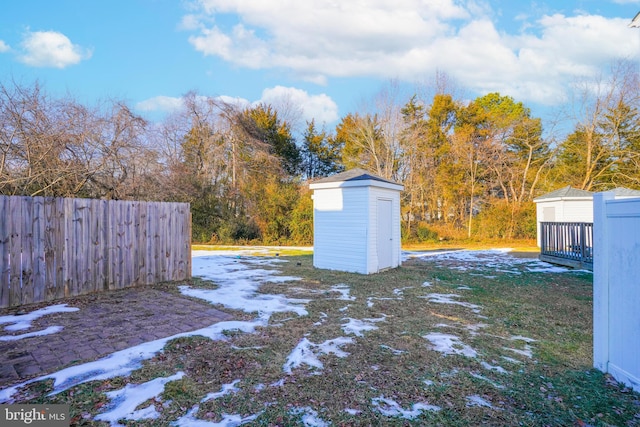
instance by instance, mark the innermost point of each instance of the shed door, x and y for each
(385, 234)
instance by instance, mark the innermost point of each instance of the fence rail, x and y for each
(569, 241)
(58, 247)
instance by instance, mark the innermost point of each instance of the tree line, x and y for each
(470, 168)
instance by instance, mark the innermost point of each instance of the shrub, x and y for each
(420, 232)
(500, 220)
(238, 229)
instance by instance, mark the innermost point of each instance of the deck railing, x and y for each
(571, 241)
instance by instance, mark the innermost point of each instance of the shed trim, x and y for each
(356, 183)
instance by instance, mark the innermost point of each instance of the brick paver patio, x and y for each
(105, 323)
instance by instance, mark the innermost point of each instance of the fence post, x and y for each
(583, 242)
(600, 281)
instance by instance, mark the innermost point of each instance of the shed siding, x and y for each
(578, 211)
(340, 217)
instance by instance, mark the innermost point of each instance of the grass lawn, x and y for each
(440, 341)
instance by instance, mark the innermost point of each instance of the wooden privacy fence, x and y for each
(567, 243)
(57, 247)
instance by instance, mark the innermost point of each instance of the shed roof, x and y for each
(567, 192)
(626, 192)
(356, 174)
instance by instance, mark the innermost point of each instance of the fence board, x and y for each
(26, 240)
(61, 251)
(148, 247)
(118, 222)
(157, 249)
(15, 254)
(38, 262)
(5, 245)
(112, 233)
(99, 227)
(54, 247)
(50, 244)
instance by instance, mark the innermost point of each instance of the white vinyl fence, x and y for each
(616, 287)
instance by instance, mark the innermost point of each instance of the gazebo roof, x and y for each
(567, 192)
(626, 192)
(356, 174)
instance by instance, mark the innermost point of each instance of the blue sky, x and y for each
(326, 57)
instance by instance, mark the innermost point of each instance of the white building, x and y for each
(356, 222)
(570, 204)
(564, 205)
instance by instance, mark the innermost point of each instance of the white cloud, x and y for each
(160, 103)
(168, 104)
(51, 49)
(4, 47)
(410, 40)
(291, 104)
(319, 107)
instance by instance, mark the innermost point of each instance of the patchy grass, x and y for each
(530, 334)
(522, 245)
(258, 250)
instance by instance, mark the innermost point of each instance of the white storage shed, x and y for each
(570, 204)
(356, 222)
(567, 204)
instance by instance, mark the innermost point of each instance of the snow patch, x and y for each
(483, 378)
(226, 389)
(48, 331)
(125, 400)
(495, 259)
(391, 408)
(310, 417)
(450, 299)
(527, 351)
(357, 326)
(19, 322)
(489, 367)
(278, 383)
(521, 338)
(400, 291)
(190, 420)
(343, 289)
(370, 300)
(306, 353)
(238, 285)
(392, 350)
(449, 344)
(543, 267)
(476, 400)
(123, 362)
(473, 329)
(323, 318)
